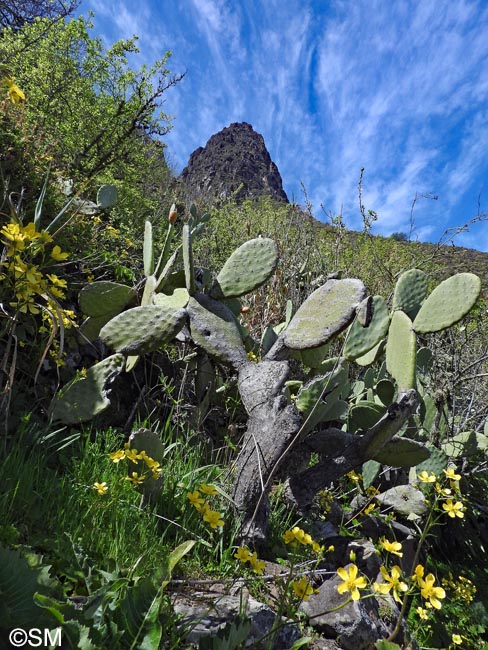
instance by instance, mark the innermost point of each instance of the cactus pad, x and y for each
(85, 397)
(188, 260)
(385, 390)
(402, 452)
(401, 350)
(371, 356)
(148, 441)
(148, 250)
(325, 313)
(361, 339)
(104, 298)
(364, 415)
(142, 329)
(214, 329)
(178, 300)
(247, 268)
(410, 291)
(106, 196)
(448, 303)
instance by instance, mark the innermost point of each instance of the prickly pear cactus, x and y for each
(188, 260)
(86, 397)
(401, 351)
(410, 292)
(148, 250)
(105, 298)
(214, 328)
(177, 300)
(360, 339)
(106, 196)
(402, 452)
(325, 313)
(249, 266)
(448, 303)
(142, 329)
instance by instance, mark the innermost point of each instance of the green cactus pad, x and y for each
(327, 409)
(106, 196)
(90, 328)
(149, 291)
(142, 329)
(188, 261)
(325, 313)
(404, 499)
(214, 329)
(148, 250)
(85, 397)
(436, 462)
(105, 298)
(319, 388)
(462, 444)
(364, 415)
(400, 351)
(361, 340)
(178, 300)
(410, 291)
(371, 356)
(385, 390)
(370, 471)
(365, 311)
(312, 358)
(448, 303)
(247, 268)
(402, 452)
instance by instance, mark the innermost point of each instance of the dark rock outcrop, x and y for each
(234, 162)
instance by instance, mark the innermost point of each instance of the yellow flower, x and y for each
(369, 509)
(423, 614)
(101, 488)
(317, 548)
(418, 576)
(195, 498)
(353, 476)
(431, 593)
(115, 456)
(133, 455)
(207, 489)
(257, 565)
(351, 582)
(58, 255)
(14, 92)
(444, 492)
(135, 479)
(451, 474)
(392, 583)
(303, 589)
(213, 517)
(242, 554)
(392, 547)
(425, 477)
(454, 509)
(457, 639)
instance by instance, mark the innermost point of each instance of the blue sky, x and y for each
(398, 87)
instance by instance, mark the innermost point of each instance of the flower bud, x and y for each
(173, 213)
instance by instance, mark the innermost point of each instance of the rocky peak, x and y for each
(233, 158)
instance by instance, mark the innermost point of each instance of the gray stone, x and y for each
(204, 614)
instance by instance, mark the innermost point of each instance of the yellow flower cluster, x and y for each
(101, 488)
(152, 467)
(211, 517)
(462, 588)
(431, 594)
(296, 534)
(25, 279)
(451, 507)
(14, 93)
(392, 582)
(303, 589)
(244, 555)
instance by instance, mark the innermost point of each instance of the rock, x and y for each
(235, 156)
(404, 499)
(204, 615)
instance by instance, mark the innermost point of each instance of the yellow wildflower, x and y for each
(418, 575)
(58, 255)
(101, 488)
(423, 614)
(213, 517)
(133, 455)
(391, 583)
(451, 474)
(257, 565)
(430, 593)
(303, 589)
(242, 554)
(288, 537)
(196, 499)
(135, 479)
(13, 91)
(353, 476)
(115, 456)
(207, 489)
(453, 509)
(369, 509)
(425, 477)
(457, 639)
(392, 547)
(351, 582)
